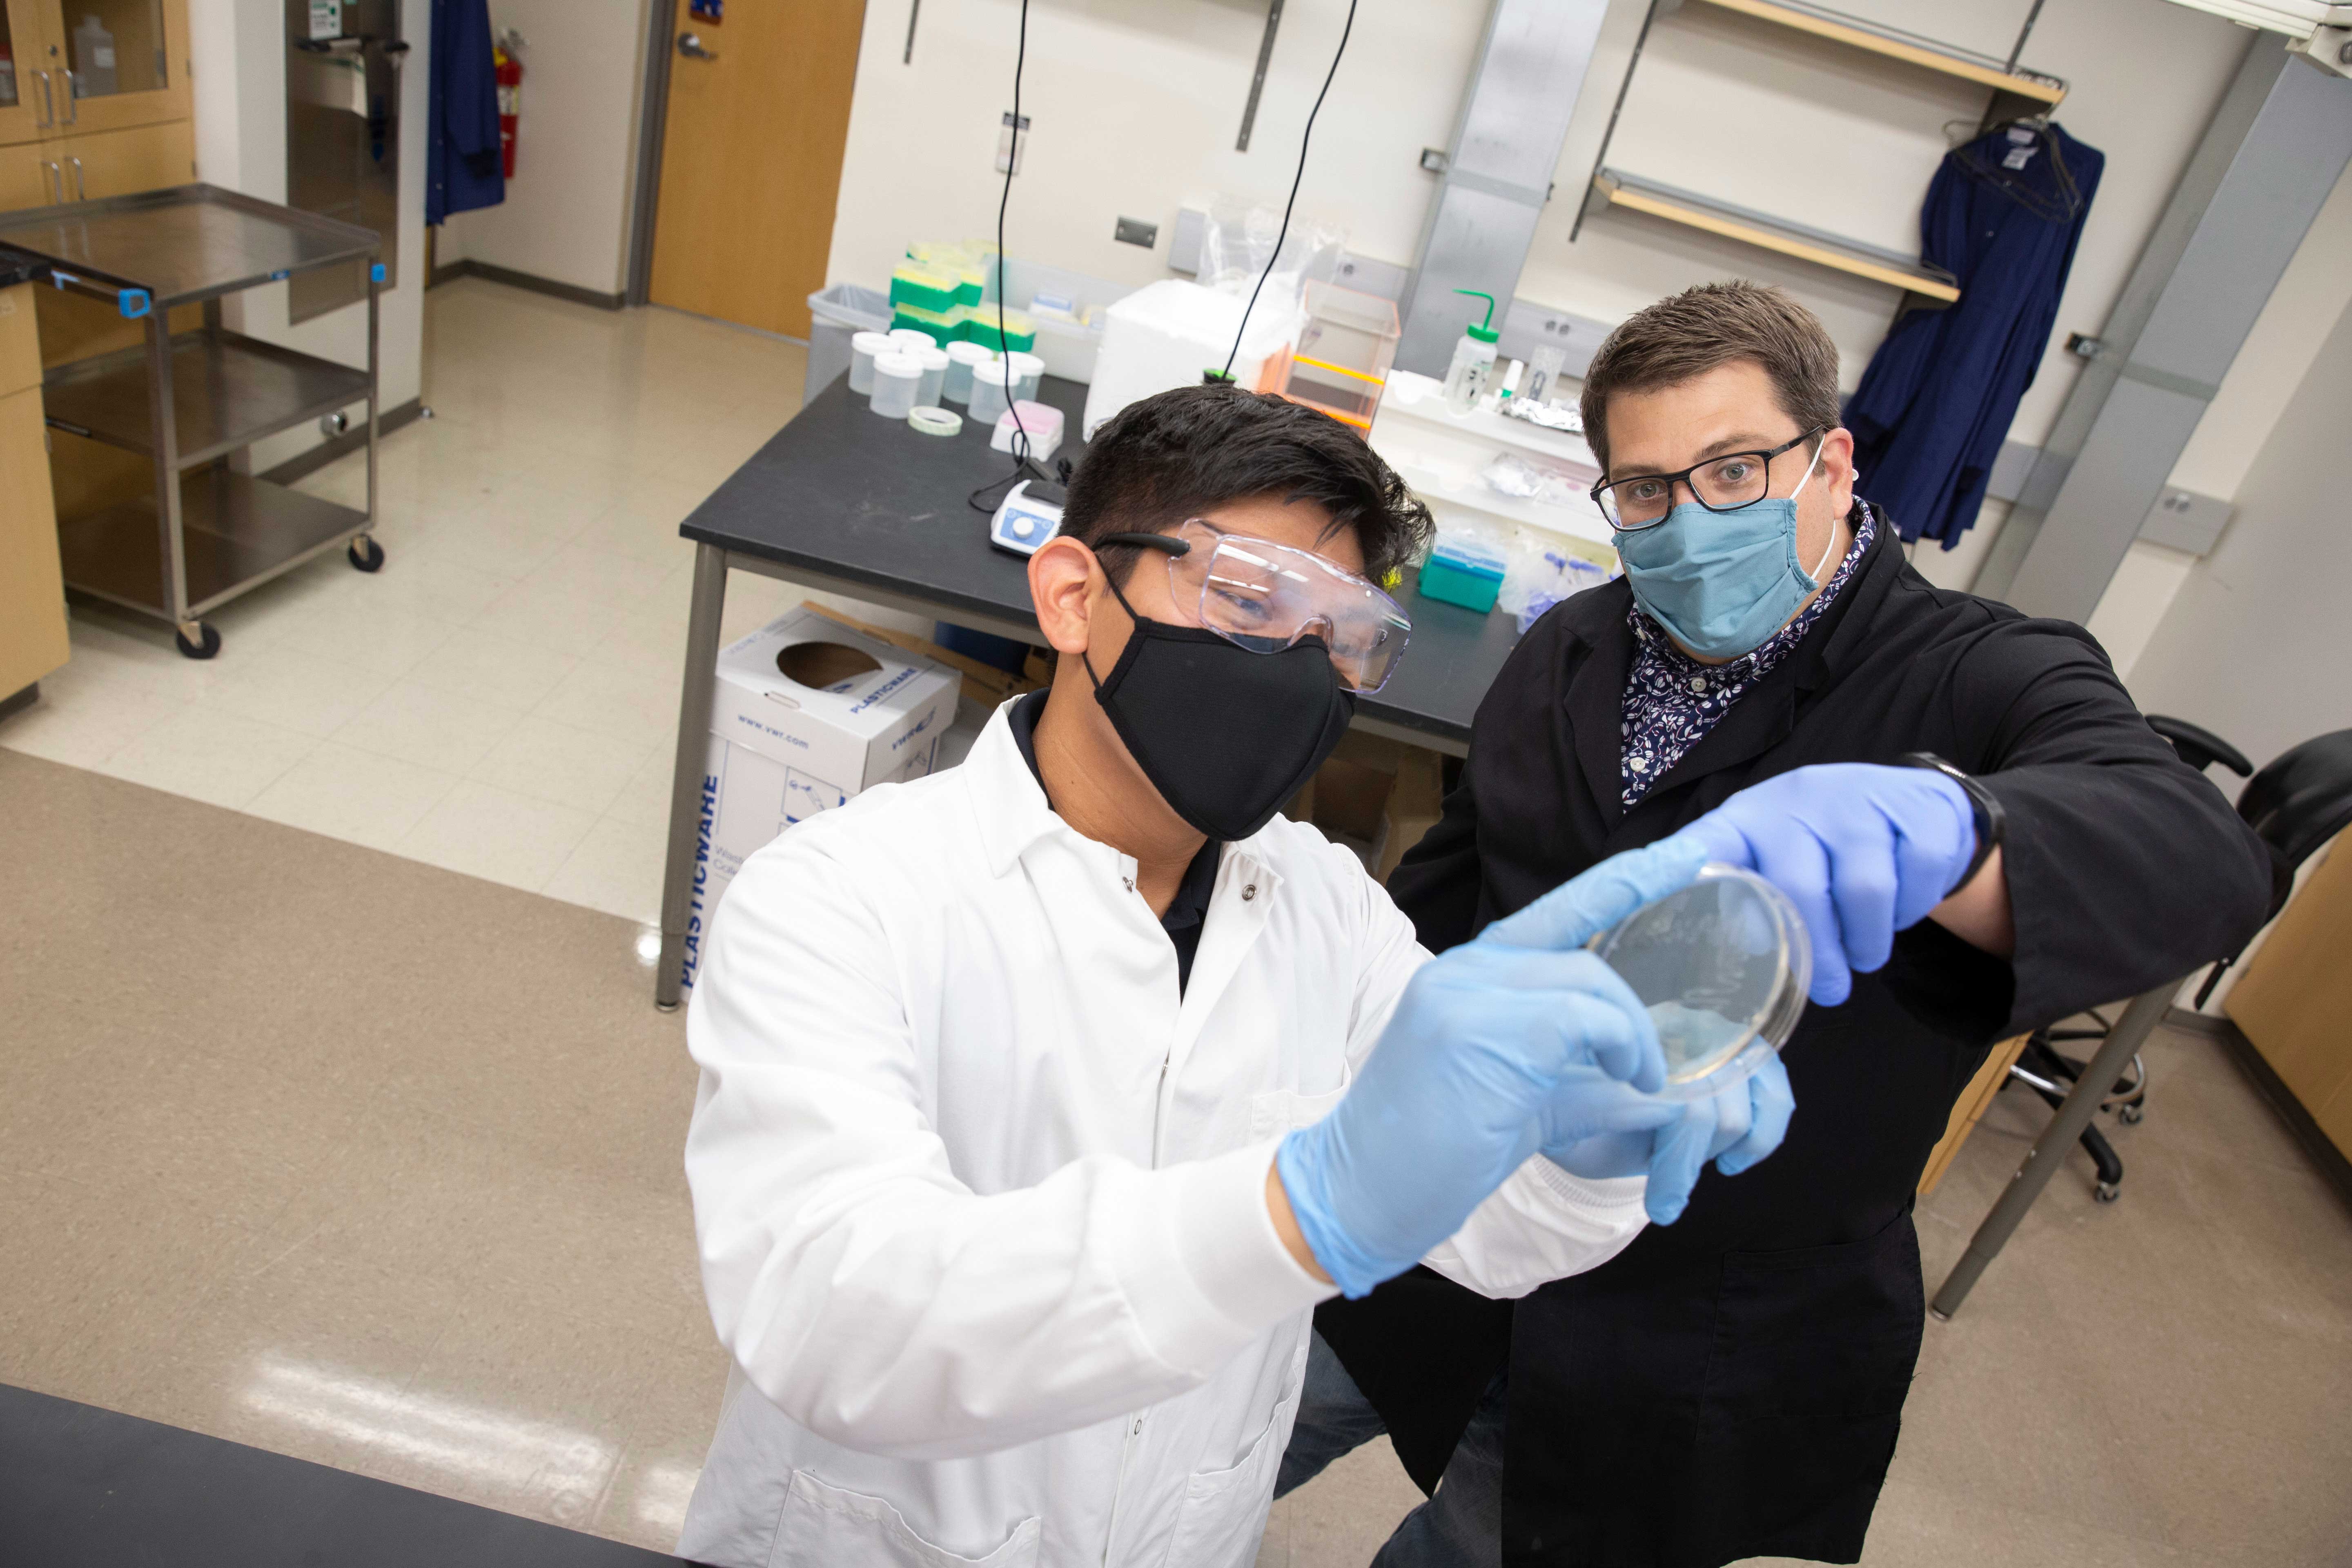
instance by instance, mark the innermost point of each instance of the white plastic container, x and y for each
(913, 338)
(898, 378)
(93, 48)
(1028, 374)
(962, 359)
(1040, 422)
(1165, 334)
(863, 347)
(935, 364)
(988, 396)
(1473, 367)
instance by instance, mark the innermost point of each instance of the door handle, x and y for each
(54, 178)
(691, 46)
(73, 107)
(49, 103)
(81, 186)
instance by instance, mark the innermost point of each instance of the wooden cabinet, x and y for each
(23, 117)
(78, 68)
(32, 591)
(117, 163)
(25, 176)
(2296, 992)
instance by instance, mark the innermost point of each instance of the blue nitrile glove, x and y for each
(1734, 1127)
(1863, 852)
(1472, 1076)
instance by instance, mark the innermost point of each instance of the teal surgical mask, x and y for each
(1723, 582)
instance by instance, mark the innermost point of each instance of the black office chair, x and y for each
(2303, 799)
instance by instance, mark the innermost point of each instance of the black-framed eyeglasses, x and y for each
(1720, 484)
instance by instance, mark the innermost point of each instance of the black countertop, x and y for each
(15, 268)
(869, 501)
(86, 1486)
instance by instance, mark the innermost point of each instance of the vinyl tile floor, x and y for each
(351, 1157)
(500, 699)
(321, 1129)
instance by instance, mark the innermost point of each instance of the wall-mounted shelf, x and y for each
(1895, 44)
(1614, 188)
(2015, 94)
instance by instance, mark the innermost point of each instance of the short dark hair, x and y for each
(1172, 456)
(1686, 335)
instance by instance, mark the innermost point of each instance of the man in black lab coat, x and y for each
(1732, 1385)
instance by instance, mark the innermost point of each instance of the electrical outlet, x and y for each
(1012, 147)
(1135, 231)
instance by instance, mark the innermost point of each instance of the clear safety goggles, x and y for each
(1266, 597)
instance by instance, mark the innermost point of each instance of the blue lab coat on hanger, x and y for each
(2003, 215)
(462, 167)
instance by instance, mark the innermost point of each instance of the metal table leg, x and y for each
(375, 387)
(2050, 1150)
(165, 427)
(688, 871)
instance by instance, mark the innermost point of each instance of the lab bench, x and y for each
(187, 401)
(844, 500)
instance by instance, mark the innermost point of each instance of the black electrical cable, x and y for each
(1022, 465)
(1284, 233)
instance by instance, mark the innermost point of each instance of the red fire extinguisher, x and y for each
(510, 75)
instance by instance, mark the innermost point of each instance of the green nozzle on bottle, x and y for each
(1484, 332)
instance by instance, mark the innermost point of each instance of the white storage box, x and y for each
(806, 713)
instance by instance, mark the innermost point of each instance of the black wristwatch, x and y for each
(1992, 823)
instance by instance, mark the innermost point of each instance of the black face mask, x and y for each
(1225, 735)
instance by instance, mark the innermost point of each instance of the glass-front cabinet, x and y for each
(69, 69)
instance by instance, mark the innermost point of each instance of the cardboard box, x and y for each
(807, 712)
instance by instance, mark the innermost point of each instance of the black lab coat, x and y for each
(1731, 1385)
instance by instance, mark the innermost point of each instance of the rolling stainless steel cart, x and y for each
(187, 401)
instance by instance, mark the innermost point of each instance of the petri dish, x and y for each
(1722, 965)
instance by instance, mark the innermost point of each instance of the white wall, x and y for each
(1134, 106)
(2282, 346)
(239, 80)
(1749, 112)
(566, 216)
(2254, 645)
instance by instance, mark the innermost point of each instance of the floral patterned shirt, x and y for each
(1672, 700)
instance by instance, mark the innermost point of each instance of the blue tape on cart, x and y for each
(277, 275)
(375, 273)
(134, 303)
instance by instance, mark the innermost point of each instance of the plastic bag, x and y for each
(1237, 239)
(1540, 574)
(1544, 480)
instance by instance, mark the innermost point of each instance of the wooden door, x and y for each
(23, 52)
(119, 163)
(751, 160)
(25, 180)
(129, 68)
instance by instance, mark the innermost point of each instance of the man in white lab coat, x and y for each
(1039, 1101)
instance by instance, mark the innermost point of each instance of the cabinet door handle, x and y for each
(81, 186)
(54, 178)
(73, 95)
(49, 103)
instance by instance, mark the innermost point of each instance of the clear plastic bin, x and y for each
(835, 313)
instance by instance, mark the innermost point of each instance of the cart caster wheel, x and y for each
(2130, 1115)
(208, 641)
(365, 554)
(2106, 1192)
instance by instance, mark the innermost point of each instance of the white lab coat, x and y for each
(981, 1201)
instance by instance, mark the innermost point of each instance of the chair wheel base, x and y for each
(2106, 1192)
